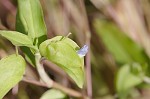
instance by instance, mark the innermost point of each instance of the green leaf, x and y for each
(29, 56)
(65, 56)
(30, 20)
(17, 38)
(12, 69)
(62, 39)
(118, 44)
(126, 80)
(68, 41)
(53, 94)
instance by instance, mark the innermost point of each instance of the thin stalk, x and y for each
(88, 56)
(14, 92)
(49, 82)
(34, 82)
(56, 85)
(67, 90)
(16, 48)
(44, 77)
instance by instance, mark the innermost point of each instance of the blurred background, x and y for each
(117, 32)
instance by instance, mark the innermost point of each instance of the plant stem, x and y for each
(49, 82)
(56, 86)
(34, 82)
(16, 48)
(88, 56)
(14, 92)
(67, 90)
(41, 71)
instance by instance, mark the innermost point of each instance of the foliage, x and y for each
(62, 51)
(31, 33)
(53, 93)
(12, 69)
(116, 32)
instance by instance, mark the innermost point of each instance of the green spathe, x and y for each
(62, 51)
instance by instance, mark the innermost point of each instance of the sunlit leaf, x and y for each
(53, 94)
(12, 69)
(30, 20)
(17, 38)
(58, 38)
(64, 55)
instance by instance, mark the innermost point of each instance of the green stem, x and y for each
(44, 77)
(16, 48)
(52, 84)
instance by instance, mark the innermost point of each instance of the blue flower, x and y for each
(82, 52)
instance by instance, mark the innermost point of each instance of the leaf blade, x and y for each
(17, 38)
(11, 72)
(30, 21)
(66, 57)
(30, 16)
(53, 94)
(123, 48)
(126, 80)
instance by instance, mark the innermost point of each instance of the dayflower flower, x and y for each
(82, 52)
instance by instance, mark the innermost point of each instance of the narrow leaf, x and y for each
(30, 20)
(17, 38)
(12, 69)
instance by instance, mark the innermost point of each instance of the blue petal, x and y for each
(82, 52)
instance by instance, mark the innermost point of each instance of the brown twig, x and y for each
(49, 82)
(14, 92)
(56, 70)
(55, 85)
(34, 82)
(67, 90)
(53, 67)
(88, 57)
